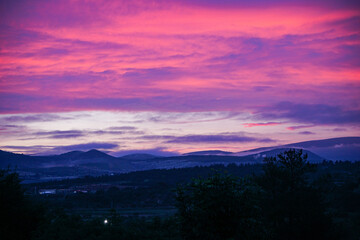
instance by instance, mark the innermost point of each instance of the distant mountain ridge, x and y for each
(344, 148)
(140, 156)
(102, 161)
(93, 154)
(65, 159)
(327, 142)
(71, 155)
(99, 162)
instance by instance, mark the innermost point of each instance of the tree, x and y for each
(219, 207)
(19, 217)
(293, 207)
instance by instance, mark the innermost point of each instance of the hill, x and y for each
(336, 149)
(95, 163)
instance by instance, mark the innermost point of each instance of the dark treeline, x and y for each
(339, 169)
(285, 198)
(151, 177)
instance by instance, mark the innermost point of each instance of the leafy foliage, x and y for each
(18, 216)
(219, 207)
(293, 207)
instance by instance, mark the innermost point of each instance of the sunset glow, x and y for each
(176, 76)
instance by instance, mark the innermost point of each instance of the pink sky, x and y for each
(186, 75)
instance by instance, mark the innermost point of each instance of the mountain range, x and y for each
(95, 162)
(335, 149)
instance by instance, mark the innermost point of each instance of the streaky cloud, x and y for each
(261, 124)
(216, 139)
(311, 113)
(306, 133)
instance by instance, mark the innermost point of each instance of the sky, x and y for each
(176, 76)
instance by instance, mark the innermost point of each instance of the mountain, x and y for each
(70, 155)
(100, 161)
(13, 159)
(330, 142)
(94, 162)
(345, 148)
(342, 149)
(94, 159)
(93, 154)
(139, 156)
(312, 157)
(97, 160)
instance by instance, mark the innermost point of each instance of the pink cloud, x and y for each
(229, 56)
(292, 128)
(261, 124)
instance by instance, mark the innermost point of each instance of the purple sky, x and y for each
(177, 76)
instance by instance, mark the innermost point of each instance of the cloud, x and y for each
(339, 129)
(306, 133)
(11, 37)
(291, 128)
(123, 128)
(172, 71)
(149, 76)
(11, 128)
(61, 134)
(33, 149)
(86, 146)
(45, 117)
(311, 113)
(261, 124)
(57, 134)
(48, 52)
(189, 117)
(296, 64)
(215, 139)
(351, 4)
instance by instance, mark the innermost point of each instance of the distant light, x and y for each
(105, 221)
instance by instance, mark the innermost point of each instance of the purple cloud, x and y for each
(48, 52)
(311, 113)
(339, 129)
(123, 128)
(216, 139)
(43, 117)
(16, 37)
(81, 133)
(332, 4)
(306, 133)
(148, 76)
(61, 134)
(85, 147)
(12, 127)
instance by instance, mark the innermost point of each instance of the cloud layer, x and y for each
(254, 65)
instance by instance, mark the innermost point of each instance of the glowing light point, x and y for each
(105, 221)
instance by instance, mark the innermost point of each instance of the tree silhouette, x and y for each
(19, 217)
(220, 207)
(293, 207)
